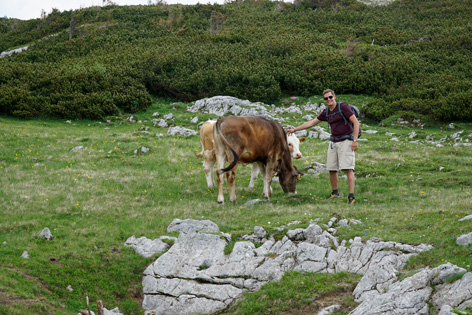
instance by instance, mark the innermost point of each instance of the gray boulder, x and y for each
(181, 131)
(330, 310)
(115, 311)
(203, 226)
(464, 240)
(13, 51)
(317, 168)
(183, 280)
(469, 217)
(409, 296)
(456, 294)
(46, 234)
(146, 247)
(415, 293)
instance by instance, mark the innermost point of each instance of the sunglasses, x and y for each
(329, 97)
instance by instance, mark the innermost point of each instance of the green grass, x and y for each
(93, 199)
(299, 293)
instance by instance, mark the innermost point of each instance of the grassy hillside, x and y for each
(93, 199)
(414, 56)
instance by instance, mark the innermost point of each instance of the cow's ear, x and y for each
(302, 139)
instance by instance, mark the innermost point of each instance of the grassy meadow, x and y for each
(93, 199)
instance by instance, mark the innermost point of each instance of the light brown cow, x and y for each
(252, 139)
(209, 158)
(208, 152)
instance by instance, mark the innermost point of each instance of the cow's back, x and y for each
(206, 134)
(253, 138)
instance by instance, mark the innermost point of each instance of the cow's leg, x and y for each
(266, 179)
(220, 163)
(254, 173)
(208, 165)
(231, 177)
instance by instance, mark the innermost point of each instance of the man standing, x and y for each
(343, 144)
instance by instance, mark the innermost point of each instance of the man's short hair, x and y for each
(328, 91)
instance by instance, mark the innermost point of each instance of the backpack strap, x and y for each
(327, 116)
(341, 113)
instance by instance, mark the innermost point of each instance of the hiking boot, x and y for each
(333, 196)
(351, 200)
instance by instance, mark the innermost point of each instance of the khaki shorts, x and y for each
(340, 156)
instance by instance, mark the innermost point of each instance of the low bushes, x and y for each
(258, 50)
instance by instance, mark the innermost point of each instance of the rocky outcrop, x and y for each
(195, 276)
(222, 105)
(413, 294)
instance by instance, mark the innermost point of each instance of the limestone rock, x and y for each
(203, 226)
(146, 247)
(330, 310)
(409, 296)
(181, 131)
(465, 239)
(456, 294)
(196, 276)
(80, 147)
(469, 217)
(222, 105)
(46, 234)
(115, 311)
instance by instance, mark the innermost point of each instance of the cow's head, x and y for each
(294, 146)
(288, 179)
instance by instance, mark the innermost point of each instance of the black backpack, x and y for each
(356, 112)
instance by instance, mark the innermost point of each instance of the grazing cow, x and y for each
(252, 139)
(208, 153)
(294, 147)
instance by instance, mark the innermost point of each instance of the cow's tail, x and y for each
(222, 138)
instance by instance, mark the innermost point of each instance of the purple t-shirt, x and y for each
(338, 126)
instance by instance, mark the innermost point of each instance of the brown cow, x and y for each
(252, 139)
(209, 159)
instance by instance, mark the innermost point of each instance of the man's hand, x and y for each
(289, 132)
(354, 145)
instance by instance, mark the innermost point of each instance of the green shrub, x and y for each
(455, 106)
(82, 106)
(256, 50)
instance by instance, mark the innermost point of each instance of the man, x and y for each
(343, 144)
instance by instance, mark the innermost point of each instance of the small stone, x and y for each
(76, 148)
(46, 233)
